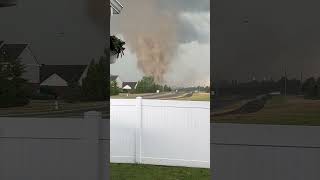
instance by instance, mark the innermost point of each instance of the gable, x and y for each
(54, 80)
(133, 85)
(126, 87)
(70, 73)
(11, 51)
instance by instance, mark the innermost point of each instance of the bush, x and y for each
(14, 92)
(42, 96)
(8, 101)
(73, 94)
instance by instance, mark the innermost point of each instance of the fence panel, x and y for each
(264, 152)
(54, 148)
(160, 132)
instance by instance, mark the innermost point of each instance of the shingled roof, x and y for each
(131, 84)
(69, 73)
(11, 51)
(113, 77)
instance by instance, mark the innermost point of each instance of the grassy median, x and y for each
(290, 110)
(148, 172)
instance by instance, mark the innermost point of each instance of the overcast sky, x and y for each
(190, 60)
(57, 31)
(262, 37)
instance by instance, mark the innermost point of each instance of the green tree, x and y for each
(114, 90)
(146, 85)
(95, 84)
(310, 88)
(14, 90)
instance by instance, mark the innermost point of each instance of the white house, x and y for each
(129, 85)
(62, 75)
(23, 53)
(117, 79)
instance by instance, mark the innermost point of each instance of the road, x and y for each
(75, 113)
(79, 113)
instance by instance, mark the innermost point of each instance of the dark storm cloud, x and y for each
(187, 33)
(58, 31)
(261, 38)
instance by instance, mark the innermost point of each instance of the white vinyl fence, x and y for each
(160, 132)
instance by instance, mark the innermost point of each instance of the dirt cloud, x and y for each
(151, 34)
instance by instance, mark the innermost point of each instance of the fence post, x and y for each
(92, 124)
(138, 129)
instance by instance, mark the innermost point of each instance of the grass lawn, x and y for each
(130, 96)
(197, 97)
(291, 110)
(48, 105)
(150, 172)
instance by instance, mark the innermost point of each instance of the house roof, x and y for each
(12, 51)
(131, 84)
(113, 77)
(69, 73)
(116, 6)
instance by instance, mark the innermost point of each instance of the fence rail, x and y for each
(54, 148)
(264, 152)
(160, 132)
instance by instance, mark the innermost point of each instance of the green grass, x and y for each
(150, 172)
(48, 105)
(197, 97)
(289, 110)
(130, 96)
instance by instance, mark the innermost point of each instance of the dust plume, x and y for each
(151, 34)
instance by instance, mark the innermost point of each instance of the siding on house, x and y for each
(32, 68)
(117, 79)
(22, 53)
(54, 80)
(67, 73)
(132, 85)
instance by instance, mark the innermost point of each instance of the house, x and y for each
(62, 75)
(129, 85)
(23, 53)
(117, 79)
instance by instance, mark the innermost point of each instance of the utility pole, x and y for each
(301, 82)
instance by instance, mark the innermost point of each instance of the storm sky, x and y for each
(261, 38)
(186, 33)
(57, 31)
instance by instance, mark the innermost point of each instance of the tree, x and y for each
(95, 85)
(14, 90)
(310, 88)
(166, 88)
(146, 85)
(114, 90)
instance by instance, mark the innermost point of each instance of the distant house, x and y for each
(62, 75)
(117, 79)
(129, 85)
(27, 58)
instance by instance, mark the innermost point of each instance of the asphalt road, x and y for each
(79, 113)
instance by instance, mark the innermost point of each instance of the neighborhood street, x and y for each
(77, 111)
